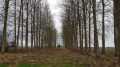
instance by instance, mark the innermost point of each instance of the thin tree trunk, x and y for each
(95, 29)
(90, 26)
(37, 31)
(115, 29)
(34, 26)
(15, 27)
(31, 27)
(22, 27)
(79, 20)
(84, 15)
(42, 40)
(103, 28)
(26, 44)
(31, 33)
(40, 28)
(82, 36)
(5, 26)
(18, 28)
(118, 23)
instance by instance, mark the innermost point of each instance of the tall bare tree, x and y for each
(18, 35)
(115, 29)
(26, 42)
(96, 44)
(85, 29)
(5, 26)
(15, 26)
(89, 25)
(117, 14)
(22, 25)
(103, 27)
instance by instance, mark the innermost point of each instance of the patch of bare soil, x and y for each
(38, 56)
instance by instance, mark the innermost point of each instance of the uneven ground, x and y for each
(58, 57)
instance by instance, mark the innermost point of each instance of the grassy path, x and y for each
(55, 58)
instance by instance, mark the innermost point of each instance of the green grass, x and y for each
(106, 48)
(110, 48)
(23, 47)
(3, 65)
(60, 46)
(31, 65)
(48, 65)
(71, 60)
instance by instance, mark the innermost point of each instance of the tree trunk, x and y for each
(5, 26)
(85, 30)
(26, 44)
(90, 26)
(118, 23)
(34, 26)
(115, 29)
(37, 30)
(82, 36)
(31, 28)
(15, 27)
(103, 28)
(22, 26)
(18, 28)
(40, 28)
(95, 29)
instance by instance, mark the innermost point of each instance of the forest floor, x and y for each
(57, 57)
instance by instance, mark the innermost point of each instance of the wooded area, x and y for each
(31, 22)
(34, 19)
(80, 20)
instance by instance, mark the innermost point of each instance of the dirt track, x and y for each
(57, 56)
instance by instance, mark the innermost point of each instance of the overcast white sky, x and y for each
(56, 11)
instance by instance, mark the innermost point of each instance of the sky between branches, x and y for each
(57, 11)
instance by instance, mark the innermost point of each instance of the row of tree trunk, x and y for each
(38, 22)
(34, 24)
(80, 20)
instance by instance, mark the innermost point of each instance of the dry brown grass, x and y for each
(54, 56)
